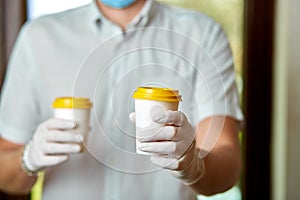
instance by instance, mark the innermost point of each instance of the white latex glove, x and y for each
(51, 145)
(173, 145)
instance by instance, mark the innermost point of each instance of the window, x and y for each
(37, 8)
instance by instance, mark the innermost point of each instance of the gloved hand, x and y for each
(172, 145)
(51, 144)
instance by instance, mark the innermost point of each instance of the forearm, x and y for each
(223, 161)
(12, 177)
(222, 170)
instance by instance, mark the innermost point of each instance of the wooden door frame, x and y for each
(258, 73)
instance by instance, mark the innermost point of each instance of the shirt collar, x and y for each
(139, 21)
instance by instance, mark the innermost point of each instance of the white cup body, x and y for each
(80, 116)
(143, 111)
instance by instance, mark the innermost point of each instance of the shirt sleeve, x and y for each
(216, 91)
(18, 106)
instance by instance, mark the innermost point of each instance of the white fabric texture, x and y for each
(81, 53)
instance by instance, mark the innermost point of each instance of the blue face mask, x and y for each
(119, 4)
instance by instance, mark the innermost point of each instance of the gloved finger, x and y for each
(157, 134)
(63, 136)
(160, 148)
(52, 160)
(165, 162)
(132, 117)
(60, 148)
(60, 124)
(168, 148)
(170, 117)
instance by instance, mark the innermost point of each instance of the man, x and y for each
(199, 146)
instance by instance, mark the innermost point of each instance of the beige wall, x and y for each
(293, 125)
(286, 127)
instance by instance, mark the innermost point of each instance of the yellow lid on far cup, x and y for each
(72, 102)
(157, 94)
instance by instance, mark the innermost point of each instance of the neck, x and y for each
(121, 17)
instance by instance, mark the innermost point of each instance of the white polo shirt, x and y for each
(81, 53)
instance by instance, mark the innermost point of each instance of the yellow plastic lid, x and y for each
(157, 94)
(72, 102)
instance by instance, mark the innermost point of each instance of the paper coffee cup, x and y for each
(76, 109)
(149, 100)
